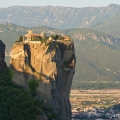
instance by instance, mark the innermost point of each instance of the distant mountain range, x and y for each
(58, 17)
(97, 54)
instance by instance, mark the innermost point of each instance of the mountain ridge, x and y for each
(10, 32)
(97, 59)
(57, 16)
(110, 26)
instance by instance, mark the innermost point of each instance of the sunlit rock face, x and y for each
(52, 63)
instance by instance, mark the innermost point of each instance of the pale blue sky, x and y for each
(66, 3)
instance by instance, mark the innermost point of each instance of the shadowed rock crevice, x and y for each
(28, 56)
(53, 65)
(2, 50)
(3, 64)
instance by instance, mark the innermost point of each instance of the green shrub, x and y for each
(57, 37)
(6, 75)
(33, 84)
(39, 39)
(20, 38)
(16, 104)
(43, 40)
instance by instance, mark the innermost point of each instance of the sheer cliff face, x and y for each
(3, 64)
(53, 65)
(2, 50)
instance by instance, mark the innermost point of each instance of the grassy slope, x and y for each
(96, 63)
(110, 26)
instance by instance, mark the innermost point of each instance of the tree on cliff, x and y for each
(57, 37)
(33, 84)
(20, 38)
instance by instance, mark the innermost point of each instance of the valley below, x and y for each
(84, 99)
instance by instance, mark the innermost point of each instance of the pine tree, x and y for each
(20, 38)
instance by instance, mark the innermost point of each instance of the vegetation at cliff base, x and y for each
(16, 104)
(6, 75)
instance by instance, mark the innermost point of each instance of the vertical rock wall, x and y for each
(53, 65)
(3, 64)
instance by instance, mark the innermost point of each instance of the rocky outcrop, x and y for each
(53, 64)
(3, 64)
(96, 36)
(2, 50)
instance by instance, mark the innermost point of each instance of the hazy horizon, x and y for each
(66, 3)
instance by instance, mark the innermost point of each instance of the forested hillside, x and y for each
(110, 25)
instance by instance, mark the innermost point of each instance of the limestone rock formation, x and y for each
(52, 63)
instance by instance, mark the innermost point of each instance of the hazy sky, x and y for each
(66, 3)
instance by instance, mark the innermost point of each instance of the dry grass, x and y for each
(94, 98)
